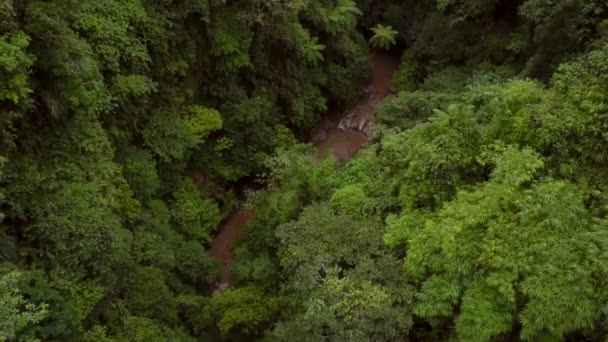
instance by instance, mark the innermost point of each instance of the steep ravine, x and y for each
(342, 136)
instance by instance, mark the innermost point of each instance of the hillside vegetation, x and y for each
(477, 212)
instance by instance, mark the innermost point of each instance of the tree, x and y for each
(195, 216)
(139, 169)
(14, 81)
(141, 329)
(344, 309)
(202, 121)
(384, 37)
(77, 212)
(146, 294)
(350, 200)
(313, 51)
(344, 290)
(432, 160)
(510, 250)
(151, 249)
(168, 135)
(247, 308)
(17, 313)
(193, 262)
(342, 17)
(128, 129)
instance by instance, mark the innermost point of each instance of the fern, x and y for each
(344, 8)
(384, 37)
(308, 47)
(312, 51)
(343, 16)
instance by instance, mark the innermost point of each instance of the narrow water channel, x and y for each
(342, 136)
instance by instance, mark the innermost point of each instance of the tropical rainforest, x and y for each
(130, 130)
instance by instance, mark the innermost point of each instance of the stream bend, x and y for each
(342, 138)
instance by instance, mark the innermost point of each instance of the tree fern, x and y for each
(343, 16)
(312, 50)
(384, 37)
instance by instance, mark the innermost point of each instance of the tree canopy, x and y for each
(131, 130)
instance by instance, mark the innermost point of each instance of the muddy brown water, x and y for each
(342, 136)
(224, 243)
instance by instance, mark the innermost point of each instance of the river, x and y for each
(342, 135)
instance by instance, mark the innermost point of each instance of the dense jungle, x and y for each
(303, 170)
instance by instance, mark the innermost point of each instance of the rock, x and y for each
(322, 135)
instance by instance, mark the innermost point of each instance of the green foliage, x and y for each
(78, 212)
(468, 8)
(284, 137)
(350, 199)
(447, 80)
(340, 83)
(139, 169)
(168, 135)
(150, 249)
(308, 47)
(195, 216)
(193, 262)
(97, 333)
(407, 109)
(476, 212)
(307, 262)
(79, 85)
(141, 329)
(345, 290)
(190, 309)
(260, 269)
(342, 17)
(312, 51)
(518, 236)
(16, 313)
(155, 217)
(83, 295)
(106, 25)
(297, 169)
(202, 121)
(245, 308)
(558, 30)
(406, 78)
(253, 261)
(146, 294)
(231, 41)
(347, 310)
(434, 159)
(16, 63)
(384, 37)
(62, 321)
